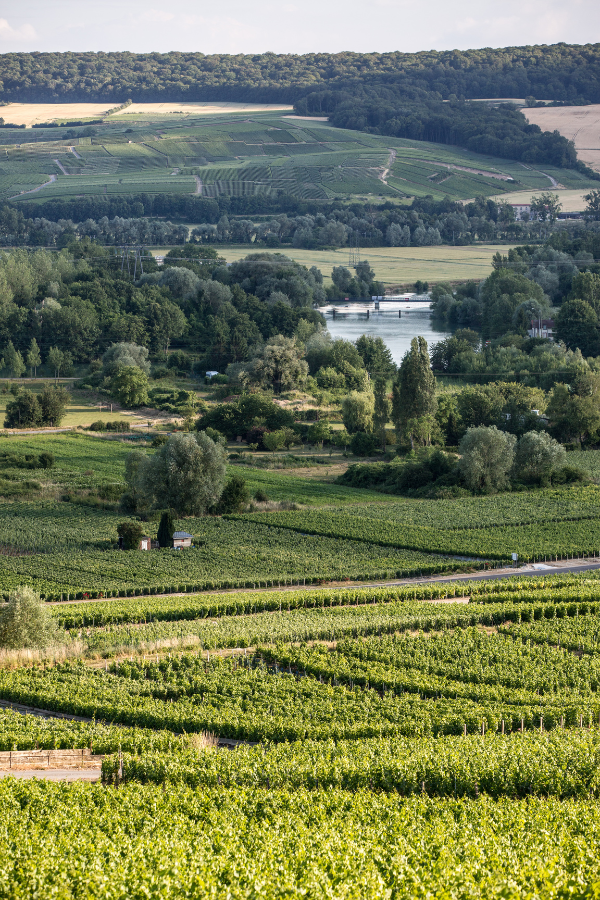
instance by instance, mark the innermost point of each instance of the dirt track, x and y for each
(55, 774)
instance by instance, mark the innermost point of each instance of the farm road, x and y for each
(34, 190)
(386, 171)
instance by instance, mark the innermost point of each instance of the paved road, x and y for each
(531, 571)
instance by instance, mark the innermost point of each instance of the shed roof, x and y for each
(179, 535)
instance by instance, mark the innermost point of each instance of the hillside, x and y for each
(251, 155)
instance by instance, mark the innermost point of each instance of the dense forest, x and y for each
(560, 72)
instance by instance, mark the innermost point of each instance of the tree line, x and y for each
(425, 222)
(560, 72)
(530, 281)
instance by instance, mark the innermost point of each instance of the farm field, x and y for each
(394, 265)
(227, 151)
(571, 201)
(580, 124)
(29, 114)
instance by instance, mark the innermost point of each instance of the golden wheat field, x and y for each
(580, 124)
(199, 109)
(29, 114)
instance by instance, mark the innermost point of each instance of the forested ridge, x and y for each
(555, 72)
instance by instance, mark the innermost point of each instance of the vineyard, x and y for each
(433, 739)
(84, 841)
(402, 723)
(244, 154)
(550, 524)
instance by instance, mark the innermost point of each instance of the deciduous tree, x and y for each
(486, 457)
(34, 358)
(129, 385)
(537, 455)
(358, 408)
(188, 472)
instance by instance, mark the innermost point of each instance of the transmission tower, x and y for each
(354, 254)
(131, 257)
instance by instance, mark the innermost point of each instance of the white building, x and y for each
(521, 210)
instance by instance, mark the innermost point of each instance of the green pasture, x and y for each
(394, 265)
(80, 409)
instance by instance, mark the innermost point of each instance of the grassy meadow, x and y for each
(80, 411)
(392, 265)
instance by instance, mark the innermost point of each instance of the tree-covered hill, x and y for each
(558, 72)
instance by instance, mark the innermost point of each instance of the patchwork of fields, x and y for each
(242, 154)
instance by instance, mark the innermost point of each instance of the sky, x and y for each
(292, 26)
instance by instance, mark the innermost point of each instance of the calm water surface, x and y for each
(396, 332)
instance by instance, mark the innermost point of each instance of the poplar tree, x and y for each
(13, 360)
(383, 408)
(413, 393)
(34, 358)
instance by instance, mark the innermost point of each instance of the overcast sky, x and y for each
(292, 26)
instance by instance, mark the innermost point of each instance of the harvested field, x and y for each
(572, 201)
(199, 109)
(580, 124)
(29, 114)
(32, 113)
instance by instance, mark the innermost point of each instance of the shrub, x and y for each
(131, 533)
(363, 444)
(235, 496)
(25, 621)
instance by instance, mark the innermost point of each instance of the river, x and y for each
(351, 321)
